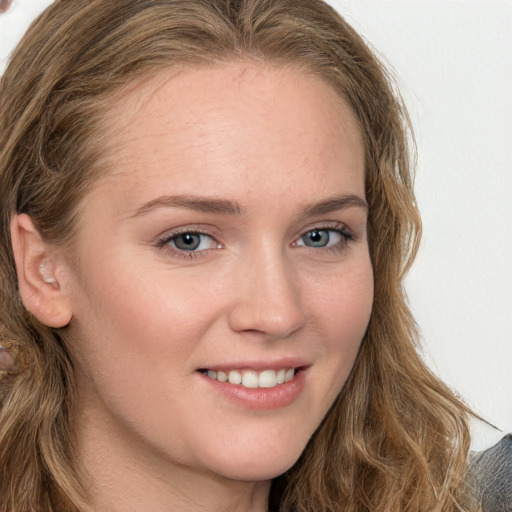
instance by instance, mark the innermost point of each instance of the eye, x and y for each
(189, 241)
(320, 238)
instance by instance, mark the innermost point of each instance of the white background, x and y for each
(454, 63)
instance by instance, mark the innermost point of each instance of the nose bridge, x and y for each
(268, 297)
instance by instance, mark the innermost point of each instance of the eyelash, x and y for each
(165, 240)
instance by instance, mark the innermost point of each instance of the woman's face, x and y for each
(228, 241)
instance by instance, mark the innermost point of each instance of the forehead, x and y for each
(201, 124)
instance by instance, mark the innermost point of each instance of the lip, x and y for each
(258, 366)
(280, 396)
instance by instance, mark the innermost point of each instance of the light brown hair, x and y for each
(396, 438)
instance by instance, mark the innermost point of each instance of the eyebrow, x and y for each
(335, 204)
(224, 206)
(202, 204)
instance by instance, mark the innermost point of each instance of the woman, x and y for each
(207, 214)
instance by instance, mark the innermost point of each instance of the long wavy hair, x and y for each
(396, 439)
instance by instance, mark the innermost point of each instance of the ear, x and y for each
(37, 266)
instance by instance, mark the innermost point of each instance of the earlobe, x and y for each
(36, 267)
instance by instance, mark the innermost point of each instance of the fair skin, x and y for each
(229, 236)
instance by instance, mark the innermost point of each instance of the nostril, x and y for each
(5, 5)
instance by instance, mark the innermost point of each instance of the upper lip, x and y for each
(258, 365)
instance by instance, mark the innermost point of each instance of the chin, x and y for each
(257, 473)
(268, 464)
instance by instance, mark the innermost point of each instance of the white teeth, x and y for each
(253, 379)
(235, 377)
(250, 379)
(268, 379)
(289, 374)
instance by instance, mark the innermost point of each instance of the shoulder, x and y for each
(491, 470)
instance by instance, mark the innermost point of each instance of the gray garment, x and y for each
(492, 471)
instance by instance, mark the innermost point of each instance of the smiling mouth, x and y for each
(252, 379)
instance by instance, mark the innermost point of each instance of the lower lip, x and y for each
(282, 395)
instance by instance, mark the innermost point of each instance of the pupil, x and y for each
(316, 236)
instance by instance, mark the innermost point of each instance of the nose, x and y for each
(268, 298)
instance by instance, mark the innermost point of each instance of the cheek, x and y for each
(138, 320)
(345, 301)
(131, 291)
(342, 314)
(135, 334)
